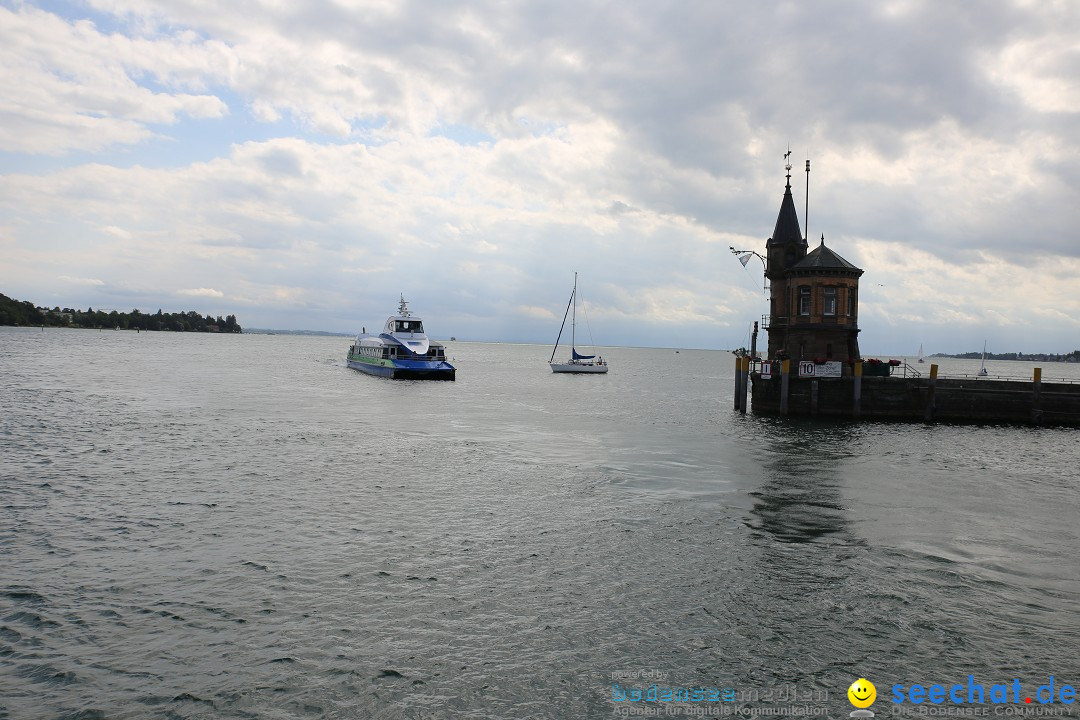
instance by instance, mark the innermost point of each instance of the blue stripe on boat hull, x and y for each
(409, 370)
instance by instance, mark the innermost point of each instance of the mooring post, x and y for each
(745, 384)
(738, 379)
(753, 342)
(929, 417)
(856, 408)
(785, 370)
(1036, 390)
(813, 396)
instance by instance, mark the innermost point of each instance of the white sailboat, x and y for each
(578, 363)
(920, 353)
(982, 367)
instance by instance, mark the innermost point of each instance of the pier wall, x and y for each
(922, 399)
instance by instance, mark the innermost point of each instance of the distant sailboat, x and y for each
(920, 353)
(982, 366)
(578, 363)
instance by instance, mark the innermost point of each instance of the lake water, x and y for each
(198, 526)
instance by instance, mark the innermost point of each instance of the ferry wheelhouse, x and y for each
(401, 351)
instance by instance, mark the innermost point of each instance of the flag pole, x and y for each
(806, 213)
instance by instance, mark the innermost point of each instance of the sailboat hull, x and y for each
(578, 367)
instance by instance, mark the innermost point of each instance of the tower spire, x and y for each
(787, 231)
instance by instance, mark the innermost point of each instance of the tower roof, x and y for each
(822, 257)
(787, 222)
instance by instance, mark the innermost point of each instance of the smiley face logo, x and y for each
(862, 693)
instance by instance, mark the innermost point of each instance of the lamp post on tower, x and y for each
(744, 257)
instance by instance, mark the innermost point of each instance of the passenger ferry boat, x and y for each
(401, 351)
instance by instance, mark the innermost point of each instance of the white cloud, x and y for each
(1041, 71)
(201, 292)
(69, 86)
(118, 232)
(540, 313)
(80, 281)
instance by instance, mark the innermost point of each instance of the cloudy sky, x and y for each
(301, 164)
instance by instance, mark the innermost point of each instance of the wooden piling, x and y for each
(745, 384)
(929, 414)
(738, 379)
(785, 370)
(1036, 400)
(856, 406)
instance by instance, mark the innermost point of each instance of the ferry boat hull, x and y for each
(403, 369)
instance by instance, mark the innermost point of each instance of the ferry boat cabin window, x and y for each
(413, 326)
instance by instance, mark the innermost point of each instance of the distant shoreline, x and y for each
(321, 333)
(1072, 357)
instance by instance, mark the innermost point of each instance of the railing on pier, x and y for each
(1008, 378)
(907, 370)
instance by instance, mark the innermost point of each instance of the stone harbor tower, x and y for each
(814, 294)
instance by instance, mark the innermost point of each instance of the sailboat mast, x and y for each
(573, 322)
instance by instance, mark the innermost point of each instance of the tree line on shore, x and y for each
(1074, 356)
(15, 312)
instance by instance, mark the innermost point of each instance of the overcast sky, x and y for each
(301, 164)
